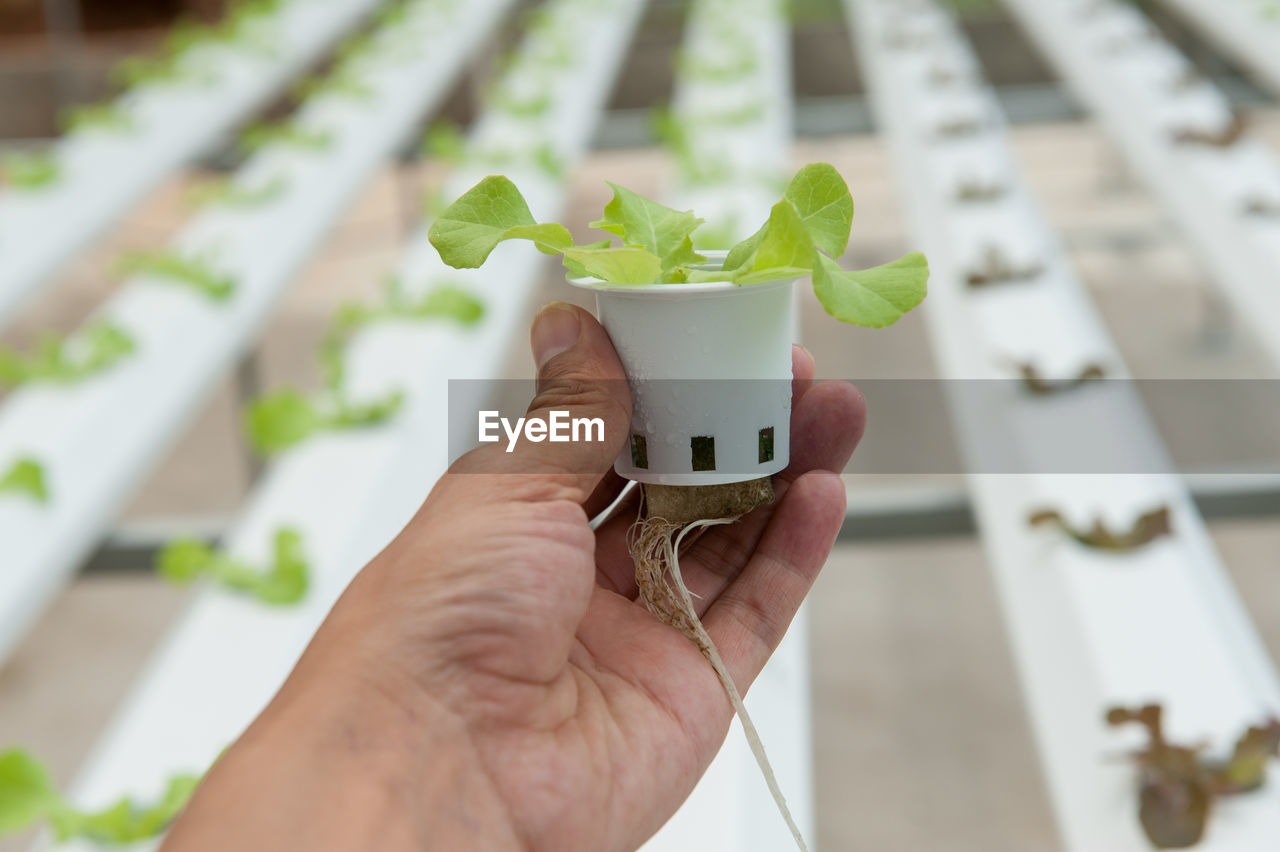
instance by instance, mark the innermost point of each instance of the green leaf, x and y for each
(487, 214)
(876, 297)
(576, 269)
(785, 249)
(105, 116)
(447, 302)
(822, 199)
(646, 224)
(825, 206)
(286, 418)
(198, 273)
(59, 361)
(284, 581)
(289, 134)
(229, 193)
(126, 821)
(27, 795)
(281, 420)
(444, 141)
(184, 559)
(30, 171)
(26, 477)
(617, 265)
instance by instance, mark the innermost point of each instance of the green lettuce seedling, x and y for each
(29, 171)
(288, 134)
(341, 82)
(227, 192)
(109, 116)
(25, 477)
(283, 582)
(806, 231)
(60, 361)
(442, 302)
(286, 418)
(28, 798)
(198, 273)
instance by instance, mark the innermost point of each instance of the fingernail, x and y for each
(555, 329)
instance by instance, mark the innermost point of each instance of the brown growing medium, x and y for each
(670, 513)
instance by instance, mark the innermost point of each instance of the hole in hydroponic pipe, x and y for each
(639, 452)
(766, 444)
(703, 451)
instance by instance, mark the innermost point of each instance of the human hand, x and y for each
(490, 680)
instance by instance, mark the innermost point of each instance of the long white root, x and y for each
(655, 546)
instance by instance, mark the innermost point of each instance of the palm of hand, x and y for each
(592, 719)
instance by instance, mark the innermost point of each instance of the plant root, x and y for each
(673, 513)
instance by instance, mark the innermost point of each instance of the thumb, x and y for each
(579, 379)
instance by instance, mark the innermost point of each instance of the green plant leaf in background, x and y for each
(444, 141)
(30, 170)
(444, 301)
(283, 419)
(228, 192)
(283, 582)
(27, 794)
(60, 361)
(198, 273)
(109, 116)
(288, 134)
(875, 297)
(25, 477)
(28, 797)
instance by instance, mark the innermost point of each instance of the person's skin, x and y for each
(490, 682)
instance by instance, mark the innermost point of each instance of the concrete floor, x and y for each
(924, 744)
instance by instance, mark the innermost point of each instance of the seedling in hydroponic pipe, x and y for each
(960, 127)
(444, 301)
(25, 477)
(1225, 137)
(28, 798)
(110, 116)
(1036, 384)
(29, 171)
(198, 273)
(277, 421)
(1145, 530)
(287, 134)
(286, 418)
(976, 190)
(1177, 785)
(1262, 206)
(997, 268)
(61, 361)
(673, 313)
(229, 192)
(341, 82)
(283, 582)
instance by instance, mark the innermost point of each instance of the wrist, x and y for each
(336, 762)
